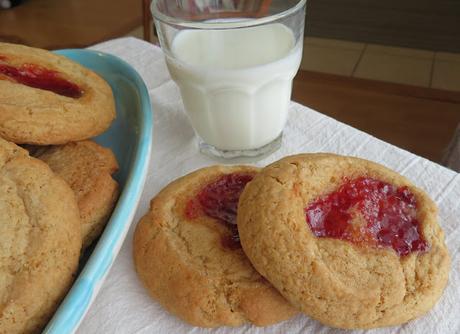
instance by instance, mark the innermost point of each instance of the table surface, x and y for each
(124, 306)
(420, 120)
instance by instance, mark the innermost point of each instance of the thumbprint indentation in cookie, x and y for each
(37, 76)
(388, 216)
(219, 200)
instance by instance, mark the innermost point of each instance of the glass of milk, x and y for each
(234, 61)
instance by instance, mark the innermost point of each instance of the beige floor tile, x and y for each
(397, 65)
(446, 75)
(447, 56)
(397, 51)
(334, 43)
(330, 59)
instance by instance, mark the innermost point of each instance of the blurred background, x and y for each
(390, 68)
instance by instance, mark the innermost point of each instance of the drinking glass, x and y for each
(234, 62)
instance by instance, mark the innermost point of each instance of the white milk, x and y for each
(236, 84)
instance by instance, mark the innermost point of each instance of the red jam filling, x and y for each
(219, 200)
(36, 76)
(389, 214)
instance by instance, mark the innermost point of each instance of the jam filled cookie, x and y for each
(187, 253)
(87, 167)
(347, 241)
(40, 240)
(48, 99)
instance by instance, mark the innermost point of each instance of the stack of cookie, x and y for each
(342, 240)
(57, 191)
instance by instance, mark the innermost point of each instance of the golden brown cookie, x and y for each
(347, 241)
(40, 240)
(187, 253)
(87, 167)
(48, 99)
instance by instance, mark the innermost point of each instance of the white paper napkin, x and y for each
(123, 305)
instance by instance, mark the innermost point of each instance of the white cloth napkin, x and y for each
(123, 305)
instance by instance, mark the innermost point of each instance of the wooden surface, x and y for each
(55, 24)
(146, 19)
(420, 120)
(420, 24)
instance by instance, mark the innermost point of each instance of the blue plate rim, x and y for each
(84, 289)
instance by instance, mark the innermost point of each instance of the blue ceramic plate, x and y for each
(130, 138)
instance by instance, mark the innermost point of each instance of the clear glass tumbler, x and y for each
(234, 61)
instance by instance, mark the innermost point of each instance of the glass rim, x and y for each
(245, 23)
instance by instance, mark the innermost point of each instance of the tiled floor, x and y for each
(385, 63)
(331, 56)
(446, 71)
(405, 66)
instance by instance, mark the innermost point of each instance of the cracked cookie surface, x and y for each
(340, 283)
(32, 113)
(184, 260)
(87, 168)
(40, 240)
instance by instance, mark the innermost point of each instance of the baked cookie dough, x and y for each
(347, 241)
(48, 99)
(87, 167)
(40, 240)
(187, 253)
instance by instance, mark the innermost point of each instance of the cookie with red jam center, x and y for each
(188, 255)
(47, 99)
(40, 241)
(347, 241)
